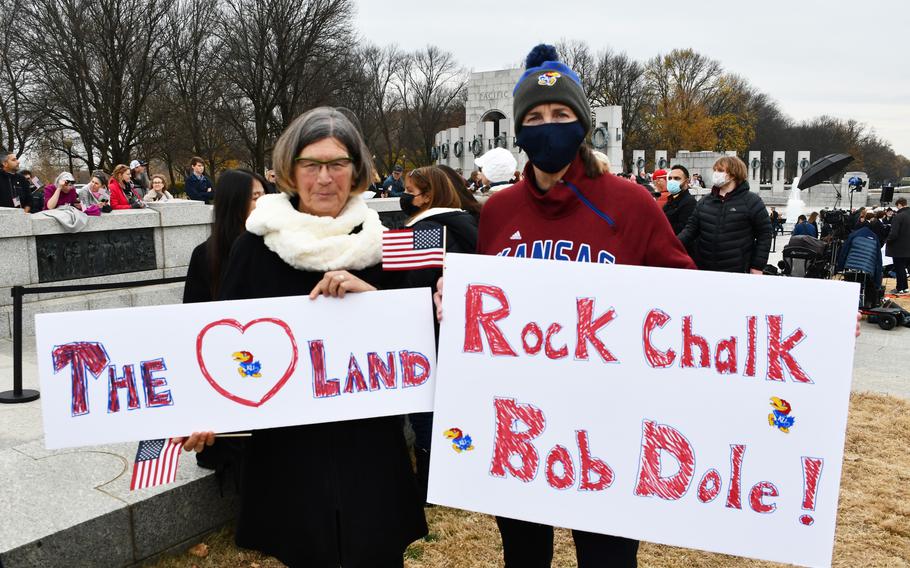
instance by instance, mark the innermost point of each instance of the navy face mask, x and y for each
(406, 202)
(551, 146)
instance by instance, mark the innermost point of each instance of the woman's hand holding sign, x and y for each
(336, 283)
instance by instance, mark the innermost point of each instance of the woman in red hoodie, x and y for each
(119, 186)
(566, 208)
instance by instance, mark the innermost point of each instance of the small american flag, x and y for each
(408, 249)
(156, 463)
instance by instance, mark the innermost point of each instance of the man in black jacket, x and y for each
(15, 191)
(680, 203)
(730, 228)
(898, 244)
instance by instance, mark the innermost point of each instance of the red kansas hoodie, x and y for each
(609, 220)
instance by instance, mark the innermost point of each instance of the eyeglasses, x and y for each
(312, 167)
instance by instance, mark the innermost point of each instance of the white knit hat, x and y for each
(498, 165)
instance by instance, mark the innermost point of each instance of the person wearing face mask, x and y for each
(680, 203)
(431, 201)
(730, 229)
(566, 207)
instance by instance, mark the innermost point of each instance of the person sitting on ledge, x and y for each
(62, 192)
(158, 192)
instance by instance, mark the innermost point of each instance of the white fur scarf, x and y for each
(312, 243)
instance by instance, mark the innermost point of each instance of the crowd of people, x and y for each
(305, 229)
(124, 187)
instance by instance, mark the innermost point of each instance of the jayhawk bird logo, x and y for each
(780, 417)
(549, 78)
(461, 442)
(248, 367)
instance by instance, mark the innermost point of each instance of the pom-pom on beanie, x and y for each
(547, 80)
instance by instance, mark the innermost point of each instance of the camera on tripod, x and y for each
(856, 183)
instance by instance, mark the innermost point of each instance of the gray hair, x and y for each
(311, 127)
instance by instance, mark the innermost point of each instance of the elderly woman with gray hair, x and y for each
(340, 493)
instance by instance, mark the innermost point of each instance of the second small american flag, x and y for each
(409, 249)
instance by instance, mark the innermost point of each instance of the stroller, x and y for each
(806, 257)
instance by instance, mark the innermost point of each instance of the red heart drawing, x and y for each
(242, 328)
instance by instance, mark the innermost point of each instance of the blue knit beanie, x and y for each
(547, 80)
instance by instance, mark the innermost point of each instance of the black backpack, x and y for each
(38, 200)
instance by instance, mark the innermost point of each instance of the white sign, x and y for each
(155, 372)
(695, 409)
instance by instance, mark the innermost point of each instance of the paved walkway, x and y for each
(74, 508)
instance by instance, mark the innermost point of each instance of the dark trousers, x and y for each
(900, 269)
(530, 545)
(422, 423)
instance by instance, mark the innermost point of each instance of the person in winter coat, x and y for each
(336, 493)
(879, 228)
(566, 208)
(393, 186)
(140, 178)
(497, 167)
(122, 196)
(158, 192)
(430, 201)
(862, 251)
(898, 244)
(95, 193)
(680, 203)
(15, 190)
(197, 185)
(730, 229)
(803, 227)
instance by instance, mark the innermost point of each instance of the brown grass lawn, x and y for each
(873, 525)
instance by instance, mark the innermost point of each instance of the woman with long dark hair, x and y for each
(468, 202)
(234, 204)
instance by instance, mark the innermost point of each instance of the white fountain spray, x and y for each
(795, 205)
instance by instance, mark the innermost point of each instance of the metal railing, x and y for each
(18, 394)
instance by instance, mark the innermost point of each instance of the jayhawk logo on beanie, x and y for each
(549, 78)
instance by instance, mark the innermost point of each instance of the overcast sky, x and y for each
(848, 59)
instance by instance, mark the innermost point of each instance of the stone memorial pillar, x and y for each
(754, 169)
(803, 161)
(778, 171)
(660, 160)
(607, 134)
(638, 162)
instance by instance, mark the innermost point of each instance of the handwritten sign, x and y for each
(154, 372)
(695, 409)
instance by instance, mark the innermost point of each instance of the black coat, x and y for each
(14, 186)
(678, 209)
(321, 495)
(880, 230)
(461, 236)
(198, 284)
(732, 234)
(899, 238)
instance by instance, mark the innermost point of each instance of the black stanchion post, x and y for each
(18, 394)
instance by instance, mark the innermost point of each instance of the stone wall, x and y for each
(176, 229)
